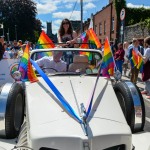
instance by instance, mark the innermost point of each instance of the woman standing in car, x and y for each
(66, 35)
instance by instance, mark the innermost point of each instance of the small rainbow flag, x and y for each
(87, 54)
(137, 61)
(25, 67)
(84, 41)
(90, 38)
(108, 64)
(44, 42)
(134, 59)
(140, 63)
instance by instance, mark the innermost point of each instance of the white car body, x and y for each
(48, 125)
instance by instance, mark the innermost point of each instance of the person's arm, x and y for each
(146, 56)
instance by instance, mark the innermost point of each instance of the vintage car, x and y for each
(75, 109)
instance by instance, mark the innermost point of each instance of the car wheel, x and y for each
(13, 109)
(132, 104)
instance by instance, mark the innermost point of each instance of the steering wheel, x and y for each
(49, 68)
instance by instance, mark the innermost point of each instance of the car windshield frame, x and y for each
(92, 68)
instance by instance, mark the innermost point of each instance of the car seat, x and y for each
(80, 64)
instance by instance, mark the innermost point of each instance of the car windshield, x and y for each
(68, 61)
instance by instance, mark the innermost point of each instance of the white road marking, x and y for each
(147, 119)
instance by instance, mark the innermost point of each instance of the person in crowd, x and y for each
(2, 49)
(6, 53)
(134, 71)
(141, 47)
(20, 43)
(119, 57)
(125, 64)
(146, 68)
(15, 49)
(66, 35)
(115, 46)
(55, 64)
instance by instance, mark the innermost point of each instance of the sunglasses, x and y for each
(65, 23)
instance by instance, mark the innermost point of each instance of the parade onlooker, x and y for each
(15, 49)
(6, 53)
(146, 68)
(134, 71)
(2, 50)
(125, 64)
(119, 57)
(66, 35)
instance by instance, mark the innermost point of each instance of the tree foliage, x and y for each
(135, 15)
(19, 16)
(147, 23)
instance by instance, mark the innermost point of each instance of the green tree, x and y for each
(147, 23)
(135, 15)
(19, 16)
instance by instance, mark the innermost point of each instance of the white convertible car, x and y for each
(76, 109)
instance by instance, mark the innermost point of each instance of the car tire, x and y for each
(125, 93)
(14, 111)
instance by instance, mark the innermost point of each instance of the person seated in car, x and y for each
(52, 64)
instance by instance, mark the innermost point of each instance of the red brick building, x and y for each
(105, 22)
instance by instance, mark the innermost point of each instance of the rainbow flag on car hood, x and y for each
(108, 64)
(25, 67)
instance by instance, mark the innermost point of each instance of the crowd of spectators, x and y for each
(13, 50)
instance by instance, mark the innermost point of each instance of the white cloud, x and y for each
(46, 8)
(89, 6)
(69, 6)
(137, 6)
(75, 15)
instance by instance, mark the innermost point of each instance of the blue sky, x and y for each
(56, 10)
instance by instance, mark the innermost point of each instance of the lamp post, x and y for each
(16, 31)
(81, 1)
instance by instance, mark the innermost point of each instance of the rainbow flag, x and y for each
(25, 67)
(87, 54)
(134, 59)
(90, 38)
(108, 64)
(140, 63)
(44, 42)
(84, 38)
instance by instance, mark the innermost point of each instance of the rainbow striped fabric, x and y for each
(44, 42)
(140, 63)
(25, 67)
(134, 59)
(90, 37)
(108, 64)
(137, 61)
(87, 54)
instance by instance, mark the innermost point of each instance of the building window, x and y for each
(100, 28)
(104, 27)
(112, 24)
